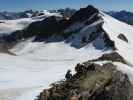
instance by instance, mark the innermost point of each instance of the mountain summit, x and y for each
(84, 27)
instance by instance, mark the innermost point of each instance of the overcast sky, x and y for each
(20, 5)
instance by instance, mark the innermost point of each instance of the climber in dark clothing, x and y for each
(68, 75)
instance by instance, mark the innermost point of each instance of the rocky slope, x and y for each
(93, 81)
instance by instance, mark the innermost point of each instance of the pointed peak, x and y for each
(84, 13)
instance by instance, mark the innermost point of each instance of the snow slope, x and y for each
(39, 66)
(114, 27)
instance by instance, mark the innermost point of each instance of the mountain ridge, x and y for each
(42, 30)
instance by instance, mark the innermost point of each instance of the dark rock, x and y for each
(108, 42)
(40, 29)
(2, 22)
(83, 14)
(123, 37)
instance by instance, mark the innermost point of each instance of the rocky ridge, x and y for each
(93, 81)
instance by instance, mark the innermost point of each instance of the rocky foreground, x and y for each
(94, 80)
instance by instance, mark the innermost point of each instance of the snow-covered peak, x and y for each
(119, 33)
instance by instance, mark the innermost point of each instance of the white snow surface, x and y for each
(37, 65)
(114, 27)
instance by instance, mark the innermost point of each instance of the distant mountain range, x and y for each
(32, 13)
(16, 15)
(123, 15)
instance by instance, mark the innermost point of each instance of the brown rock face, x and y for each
(92, 82)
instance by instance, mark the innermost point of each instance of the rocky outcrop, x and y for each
(123, 37)
(108, 42)
(92, 82)
(114, 57)
(1, 22)
(85, 13)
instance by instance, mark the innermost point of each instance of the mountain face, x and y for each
(80, 29)
(41, 52)
(123, 15)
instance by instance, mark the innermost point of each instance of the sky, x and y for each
(21, 5)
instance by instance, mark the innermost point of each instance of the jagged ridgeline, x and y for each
(93, 81)
(85, 25)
